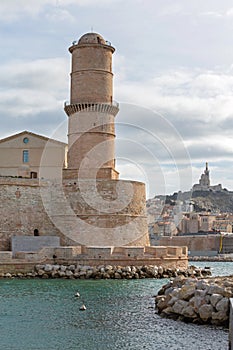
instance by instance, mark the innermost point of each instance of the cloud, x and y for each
(188, 121)
(87, 2)
(149, 144)
(171, 10)
(60, 15)
(204, 96)
(229, 12)
(214, 148)
(33, 86)
(218, 15)
(13, 10)
(212, 14)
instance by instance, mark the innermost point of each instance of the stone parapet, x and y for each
(115, 252)
(5, 256)
(165, 256)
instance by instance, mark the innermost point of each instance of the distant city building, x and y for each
(167, 228)
(30, 155)
(199, 222)
(222, 226)
(206, 222)
(190, 223)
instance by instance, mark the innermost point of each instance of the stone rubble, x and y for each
(201, 301)
(106, 272)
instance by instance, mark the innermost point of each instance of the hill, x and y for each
(212, 201)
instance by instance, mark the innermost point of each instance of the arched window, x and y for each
(36, 232)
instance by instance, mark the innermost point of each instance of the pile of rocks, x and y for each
(107, 272)
(196, 300)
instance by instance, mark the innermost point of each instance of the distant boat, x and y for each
(77, 294)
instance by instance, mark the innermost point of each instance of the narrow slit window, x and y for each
(25, 156)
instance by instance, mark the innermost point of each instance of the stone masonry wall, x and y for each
(194, 243)
(22, 210)
(84, 82)
(56, 210)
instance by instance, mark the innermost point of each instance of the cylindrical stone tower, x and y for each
(99, 209)
(91, 76)
(91, 112)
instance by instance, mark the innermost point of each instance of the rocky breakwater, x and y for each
(105, 272)
(196, 300)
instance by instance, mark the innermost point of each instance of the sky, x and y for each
(173, 78)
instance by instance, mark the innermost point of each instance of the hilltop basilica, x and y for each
(204, 182)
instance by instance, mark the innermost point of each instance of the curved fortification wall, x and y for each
(112, 212)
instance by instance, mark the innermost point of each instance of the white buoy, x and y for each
(82, 308)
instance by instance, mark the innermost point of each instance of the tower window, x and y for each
(25, 156)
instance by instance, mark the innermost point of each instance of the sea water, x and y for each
(38, 314)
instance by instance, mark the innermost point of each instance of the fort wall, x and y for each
(202, 244)
(167, 257)
(100, 212)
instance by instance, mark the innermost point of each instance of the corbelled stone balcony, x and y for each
(111, 108)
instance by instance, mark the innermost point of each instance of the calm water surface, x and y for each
(44, 314)
(217, 268)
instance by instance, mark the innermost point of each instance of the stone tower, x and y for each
(91, 112)
(95, 207)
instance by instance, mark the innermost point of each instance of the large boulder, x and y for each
(205, 312)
